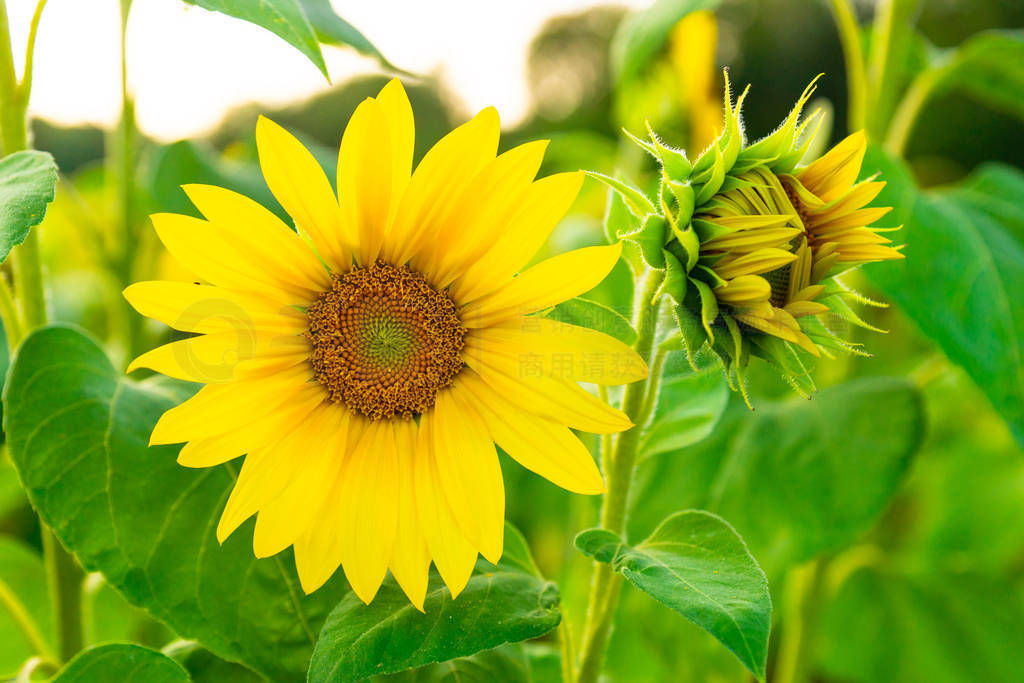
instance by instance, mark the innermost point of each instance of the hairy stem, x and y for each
(605, 583)
(910, 107)
(799, 623)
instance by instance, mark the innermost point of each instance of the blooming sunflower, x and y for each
(751, 240)
(367, 364)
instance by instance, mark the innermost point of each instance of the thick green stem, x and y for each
(63, 573)
(65, 582)
(910, 107)
(799, 621)
(605, 583)
(853, 53)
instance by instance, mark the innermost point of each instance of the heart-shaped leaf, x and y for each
(28, 182)
(698, 565)
(78, 432)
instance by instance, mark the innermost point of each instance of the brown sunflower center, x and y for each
(385, 341)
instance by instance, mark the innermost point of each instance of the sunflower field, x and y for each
(705, 366)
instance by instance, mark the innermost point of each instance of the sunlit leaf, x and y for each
(333, 30)
(28, 182)
(78, 433)
(698, 565)
(285, 18)
(506, 603)
(123, 663)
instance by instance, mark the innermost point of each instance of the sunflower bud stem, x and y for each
(619, 465)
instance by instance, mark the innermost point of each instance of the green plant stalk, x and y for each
(799, 618)
(605, 583)
(9, 314)
(910, 107)
(853, 54)
(26, 624)
(64, 576)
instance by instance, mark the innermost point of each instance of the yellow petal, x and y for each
(366, 177)
(410, 560)
(262, 432)
(202, 308)
(318, 549)
(559, 400)
(219, 408)
(301, 186)
(744, 290)
(539, 347)
(439, 179)
(401, 132)
(539, 444)
(470, 474)
(833, 174)
(287, 516)
(228, 262)
(368, 507)
(754, 263)
(219, 357)
(546, 203)
(550, 282)
(751, 240)
(480, 214)
(454, 556)
(259, 236)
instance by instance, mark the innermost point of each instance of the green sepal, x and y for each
(818, 333)
(783, 356)
(673, 161)
(693, 335)
(781, 141)
(642, 144)
(636, 201)
(617, 218)
(707, 230)
(838, 305)
(685, 200)
(714, 182)
(745, 163)
(708, 306)
(690, 242)
(733, 182)
(787, 162)
(674, 283)
(710, 276)
(650, 238)
(740, 357)
(834, 285)
(731, 142)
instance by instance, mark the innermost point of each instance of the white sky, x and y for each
(188, 66)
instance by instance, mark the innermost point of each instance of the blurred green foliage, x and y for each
(894, 508)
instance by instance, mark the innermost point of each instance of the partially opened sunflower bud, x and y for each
(755, 238)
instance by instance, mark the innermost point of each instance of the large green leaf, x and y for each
(795, 477)
(964, 271)
(507, 664)
(937, 628)
(123, 663)
(285, 18)
(28, 182)
(698, 565)
(989, 66)
(506, 603)
(78, 434)
(333, 30)
(26, 625)
(689, 406)
(642, 36)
